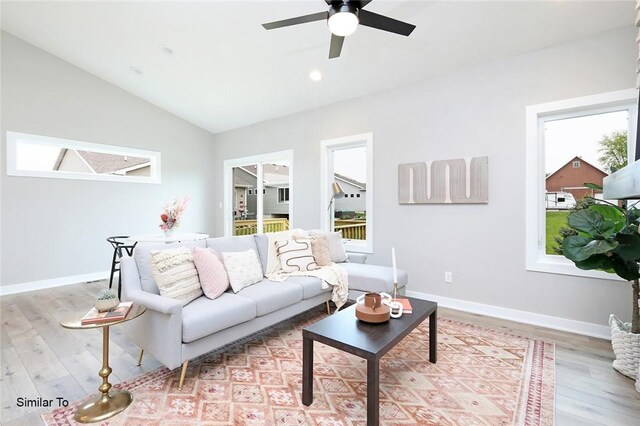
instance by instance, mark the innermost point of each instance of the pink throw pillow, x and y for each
(213, 276)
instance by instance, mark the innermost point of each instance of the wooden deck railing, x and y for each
(249, 227)
(351, 229)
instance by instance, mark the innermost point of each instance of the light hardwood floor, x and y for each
(40, 358)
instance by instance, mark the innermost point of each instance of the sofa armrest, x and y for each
(157, 303)
(357, 257)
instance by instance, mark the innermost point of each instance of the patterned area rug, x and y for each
(483, 377)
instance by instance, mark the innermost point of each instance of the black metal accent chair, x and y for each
(119, 244)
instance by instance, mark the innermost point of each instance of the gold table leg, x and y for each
(106, 404)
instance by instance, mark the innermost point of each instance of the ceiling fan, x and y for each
(343, 18)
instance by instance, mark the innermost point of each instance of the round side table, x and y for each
(106, 404)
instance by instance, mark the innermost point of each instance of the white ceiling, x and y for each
(226, 71)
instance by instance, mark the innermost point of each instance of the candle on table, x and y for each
(395, 272)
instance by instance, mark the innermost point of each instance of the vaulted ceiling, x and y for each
(214, 65)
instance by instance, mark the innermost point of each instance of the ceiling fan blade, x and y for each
(384, 23)
(336, 46)
(297, 20)
(360, 4)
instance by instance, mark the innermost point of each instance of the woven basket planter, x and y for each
(626, 347)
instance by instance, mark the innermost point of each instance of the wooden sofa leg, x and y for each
(328, 308)
(140, 358)
(183, 374)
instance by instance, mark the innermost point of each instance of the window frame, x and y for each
(259, 160)
(327, 147)
(13, 138)
(535, 221)
(285, 191)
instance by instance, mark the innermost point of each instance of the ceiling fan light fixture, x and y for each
(343, 20)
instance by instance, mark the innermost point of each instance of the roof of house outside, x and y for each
(353, 182)
(577, 158)
(103, 163)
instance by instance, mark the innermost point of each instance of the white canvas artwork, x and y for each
(459, 181)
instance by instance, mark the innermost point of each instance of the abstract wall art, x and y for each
(459, 181)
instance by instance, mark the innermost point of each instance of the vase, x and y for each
(626, 347)
(107, 304)
(168, 233)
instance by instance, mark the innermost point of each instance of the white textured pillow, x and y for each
(334, 243)
(243, 268)
(175, 274)
(296, 255)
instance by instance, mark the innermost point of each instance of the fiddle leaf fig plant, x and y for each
(607, 239)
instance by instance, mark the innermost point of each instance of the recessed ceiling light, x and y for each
(135, 70)
(315, 75)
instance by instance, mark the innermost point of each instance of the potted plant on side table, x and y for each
(607, 239)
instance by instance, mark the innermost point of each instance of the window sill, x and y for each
(562, 266)
(363, 247)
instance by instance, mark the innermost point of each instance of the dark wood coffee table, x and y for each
(344, 331)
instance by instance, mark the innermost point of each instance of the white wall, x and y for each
(480, 111)
(53, 228)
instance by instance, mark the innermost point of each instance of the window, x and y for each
(348, 161)
(283, 195)
(566, 148)
(269, 179)
(48, 157)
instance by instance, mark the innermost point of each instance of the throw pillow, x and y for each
(243, 268)
(320, 250)
(175, 274)
(334, 243)
(296, 255)
(213, 276)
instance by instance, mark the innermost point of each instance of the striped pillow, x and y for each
(296, 255)
(175, 274)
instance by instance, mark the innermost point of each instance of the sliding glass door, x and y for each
(258, 194)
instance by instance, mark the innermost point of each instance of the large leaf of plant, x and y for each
(626, 269)
(612, 214)
(592, 223)
(598, 261)
(629, 246)
(579, 248)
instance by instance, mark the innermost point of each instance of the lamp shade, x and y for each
(343, 24)
(338, 192)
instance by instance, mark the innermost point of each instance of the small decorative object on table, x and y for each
(106, 300)
(377, 308)
(118, 313)
(171, 216)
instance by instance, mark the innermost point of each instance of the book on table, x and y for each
(120, 312)
(406, 305)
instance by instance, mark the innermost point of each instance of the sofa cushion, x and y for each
(295, 255)
(226, 244)
(175, 274)
(262, 243)
(311, 286)
(243, 268)
(213, 276)
(270, 296)
(373, 277)
(142, 256)
(205, 316)
(334, 244)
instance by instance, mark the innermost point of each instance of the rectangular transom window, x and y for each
(571, 143)
(48, 157)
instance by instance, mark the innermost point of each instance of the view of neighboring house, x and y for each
(73, 160)
(572, 176)
(275, 191)
(355, 195)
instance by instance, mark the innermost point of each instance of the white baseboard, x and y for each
(556, 323)
(53, 282)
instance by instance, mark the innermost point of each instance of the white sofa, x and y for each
(174, 334)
